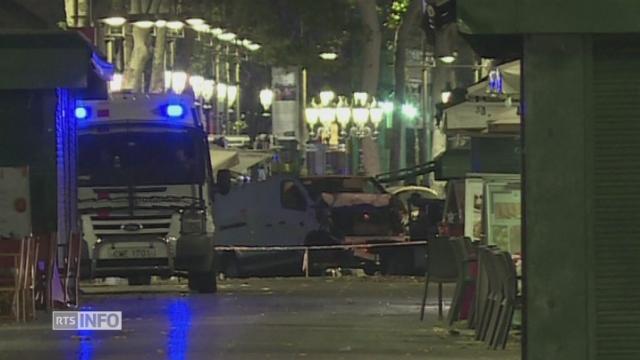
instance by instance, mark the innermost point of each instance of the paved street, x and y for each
(319, 318)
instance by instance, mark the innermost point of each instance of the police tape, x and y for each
(318, 247)
(307, 249)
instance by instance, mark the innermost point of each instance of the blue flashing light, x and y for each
(496, 82)
(174, 111)
(81, 112)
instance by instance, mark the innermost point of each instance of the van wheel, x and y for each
(230, 266)
(139, 280)
(203, 282)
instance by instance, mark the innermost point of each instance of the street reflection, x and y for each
(85, 340)
(85, 345)
(179, 312)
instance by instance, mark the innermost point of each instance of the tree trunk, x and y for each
(138, 60)
(133, 74)
(77, 12)
(184, 50)
(135, 7)
(402, 37)
(158, 66)
(370, 47)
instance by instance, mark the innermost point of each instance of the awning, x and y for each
(222, 159)
(251, 158)
(49, 60)
(405, 191)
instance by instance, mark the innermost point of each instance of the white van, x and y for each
(289, 211)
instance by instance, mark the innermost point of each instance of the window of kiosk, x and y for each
(503, 215)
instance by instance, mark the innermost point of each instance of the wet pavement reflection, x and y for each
(359, 318)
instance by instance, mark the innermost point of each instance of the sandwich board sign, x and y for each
(15, 205)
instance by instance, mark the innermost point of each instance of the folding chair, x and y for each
(11, 272)
(441, 268)
(27, 286)
(492, 293)
(72, 270)
(465, 278)
(500, 274)
(511, 302)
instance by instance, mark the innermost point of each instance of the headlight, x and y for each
(169, 239)
(193, 222)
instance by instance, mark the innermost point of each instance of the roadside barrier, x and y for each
(306, 249)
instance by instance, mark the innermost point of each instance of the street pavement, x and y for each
(281, 318)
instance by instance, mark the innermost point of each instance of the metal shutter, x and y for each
(615, 141)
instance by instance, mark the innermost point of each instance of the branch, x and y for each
(410, 17)
(371, 46)
(154, 7)
(147, 4)
(135, 7)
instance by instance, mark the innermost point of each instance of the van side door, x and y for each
(294, 219)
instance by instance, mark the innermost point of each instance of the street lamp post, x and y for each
(387, 108)
(357, 121)
(239, 90)
(208, 89)
(216, 79)
(114, 38)
(227, 81)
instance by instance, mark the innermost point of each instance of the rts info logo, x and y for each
(87, 320)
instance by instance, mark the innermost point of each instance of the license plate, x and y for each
(133, 253)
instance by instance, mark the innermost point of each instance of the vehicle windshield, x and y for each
(136, 158)
(317, 186)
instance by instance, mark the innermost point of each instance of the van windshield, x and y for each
(136, 158)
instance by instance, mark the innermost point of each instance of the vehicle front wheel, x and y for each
(229, 266)
(203, 282)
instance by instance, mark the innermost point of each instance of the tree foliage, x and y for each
(398, 9)
(293, 32)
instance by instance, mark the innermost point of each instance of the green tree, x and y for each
(293, 31)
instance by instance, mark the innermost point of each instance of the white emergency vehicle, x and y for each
(144, 189)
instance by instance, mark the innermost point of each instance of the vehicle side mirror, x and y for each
(223, 181)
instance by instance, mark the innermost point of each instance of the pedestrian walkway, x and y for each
(296, 318)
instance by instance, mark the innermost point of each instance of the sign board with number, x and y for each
(15, 205)
(473, 208)
(478, 115)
